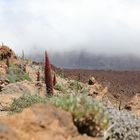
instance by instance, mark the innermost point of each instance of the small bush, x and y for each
(25, 101)
(62, 75)
(15, 74)
(77, 87)
(60, 87)
(89, 116)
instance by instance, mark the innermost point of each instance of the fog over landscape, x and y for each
(94, 34)
(86, 60)
(69, 69)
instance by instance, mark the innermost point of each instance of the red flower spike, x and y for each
(48, 76)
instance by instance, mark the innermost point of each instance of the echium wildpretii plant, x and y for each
(54, 80)
(48, 76)
(38, 76)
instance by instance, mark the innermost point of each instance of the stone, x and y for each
(91, 81)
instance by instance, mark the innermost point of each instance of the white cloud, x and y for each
(110, 26)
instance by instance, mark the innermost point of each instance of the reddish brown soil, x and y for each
(121, 84)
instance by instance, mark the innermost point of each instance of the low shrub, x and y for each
(15, 74)
(76, 86)
(25, 101)
(89, 116)
(61, 88)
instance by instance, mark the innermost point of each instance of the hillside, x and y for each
(80, 108)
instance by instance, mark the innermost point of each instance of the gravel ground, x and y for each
(124, 125)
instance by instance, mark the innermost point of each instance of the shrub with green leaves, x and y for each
(25, 101)
(15, 74)
(89, 116)
(62, 75)
(60, 87)
(76, 86)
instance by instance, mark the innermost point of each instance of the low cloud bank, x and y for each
(86, 60)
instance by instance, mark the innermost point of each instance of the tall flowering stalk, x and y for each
(7, 62)
(54, 80)
(38, 76)
(48, 76)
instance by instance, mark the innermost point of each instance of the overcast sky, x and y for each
(100, 26)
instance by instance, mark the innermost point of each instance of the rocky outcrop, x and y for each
(3, 82)
(92, 81)
(6, 52)
(40, 122)
(7, 133)
(134, 104)
(3, 68)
